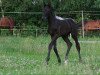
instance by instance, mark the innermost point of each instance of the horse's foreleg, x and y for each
(50, 47)
(56, 52)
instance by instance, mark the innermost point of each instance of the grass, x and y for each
(26, 56)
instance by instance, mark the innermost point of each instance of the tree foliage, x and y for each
(37, 5)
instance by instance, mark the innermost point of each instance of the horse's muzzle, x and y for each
(44, 18)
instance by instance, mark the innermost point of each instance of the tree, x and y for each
(37, 5)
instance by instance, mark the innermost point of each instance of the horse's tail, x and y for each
(74, 27)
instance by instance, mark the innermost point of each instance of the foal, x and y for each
(60, 27)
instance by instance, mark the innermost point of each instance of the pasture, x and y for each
(26, 56)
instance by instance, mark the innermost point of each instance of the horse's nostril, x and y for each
(44, 18)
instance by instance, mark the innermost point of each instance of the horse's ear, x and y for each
(49, 3)
(44, 3)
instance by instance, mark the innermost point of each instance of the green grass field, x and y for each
(26, 56)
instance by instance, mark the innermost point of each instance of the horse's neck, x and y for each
(51, 20)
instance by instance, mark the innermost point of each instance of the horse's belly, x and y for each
(64, 30)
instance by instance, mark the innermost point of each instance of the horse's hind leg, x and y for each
(74, 36)
(56, 52)
(69, 44)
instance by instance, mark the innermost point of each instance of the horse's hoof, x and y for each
(45, 63)
(66, 62)
(80, 60)
(59, 63)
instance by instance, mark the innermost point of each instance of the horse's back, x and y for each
(68, 26)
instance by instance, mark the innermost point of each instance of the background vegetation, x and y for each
(26, 56)
(31, 19)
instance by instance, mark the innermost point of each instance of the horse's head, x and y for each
(47, 10)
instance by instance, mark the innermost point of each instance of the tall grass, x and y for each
(26, 56)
